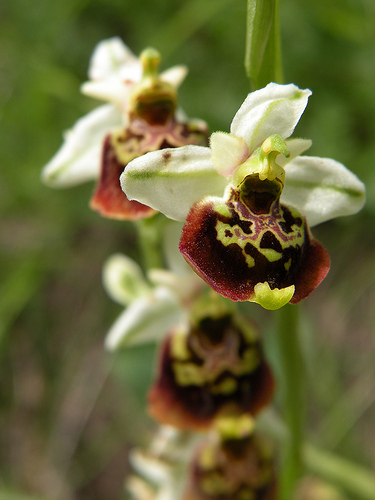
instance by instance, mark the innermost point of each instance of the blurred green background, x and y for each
(69, 411)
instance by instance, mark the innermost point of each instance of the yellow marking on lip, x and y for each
(288, 264)
(270, 254)
(227, 386)
(188, 374)
(179, 349)
(228, 235)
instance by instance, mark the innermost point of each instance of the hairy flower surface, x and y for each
(209, 366)
(142, 117)
(248, 199)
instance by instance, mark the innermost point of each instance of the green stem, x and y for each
(357, 481)
(291, 387)
(263, 43)
(149, 241)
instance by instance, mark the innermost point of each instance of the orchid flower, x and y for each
(142, 116)
(247, 200)
(234, 462)
(211, 365)
(113, 72)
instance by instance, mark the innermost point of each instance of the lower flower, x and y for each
(210, 368)
(233, 469)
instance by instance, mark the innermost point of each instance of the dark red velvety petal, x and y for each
(312, 273)
(109, 199)
(232, 248)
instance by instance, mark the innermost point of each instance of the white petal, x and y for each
(147, 319)
(174, 75)
(322, 188)
(296, 147)
(152, 467)
(275, 109)
(112, 90)
(227, 152)
(109, 57)
(172, 180)
(184, 287)
(123, 279)
(78, 159)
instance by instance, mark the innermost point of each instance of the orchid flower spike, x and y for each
(248, 201)
(142, 116)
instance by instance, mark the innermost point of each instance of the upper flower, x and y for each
(246, 200)
(113, 72)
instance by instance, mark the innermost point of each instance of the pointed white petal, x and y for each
(150, 466)
(275, 109)
(322, 188)
(112, 90)
(227, 152)
(109, 57)
(172, 180)
(296, 147)
(78, 159)
(147, 319)
(174, 75)
(123, 279)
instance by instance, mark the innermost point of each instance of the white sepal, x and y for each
(172, 180)
(78, 159)
(275, 109)
(322, 188)
(110, 58)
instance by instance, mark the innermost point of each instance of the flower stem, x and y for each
(149, 241)
(291, 388)
(263, 43)
(355, 479)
